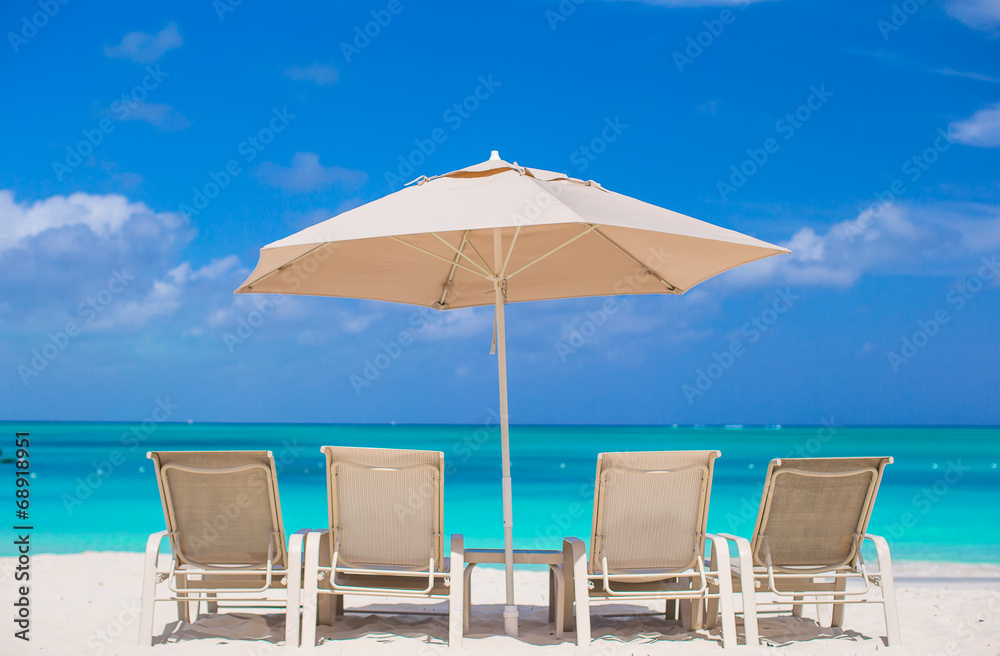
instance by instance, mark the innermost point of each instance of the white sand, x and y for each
(88, 604)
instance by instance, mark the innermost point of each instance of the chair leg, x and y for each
(310, 586)
(581, 594)
(557, 599)
(797, 606)
(293, 599)
(569, 591)
(722, 567)
(467, 584)
(456, 601)
(837, 612)
(149, 588)
(888, 590)
(670, 612)
(552, 595)
(183, 606)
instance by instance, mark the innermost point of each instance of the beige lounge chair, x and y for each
(812, 521)
(385, 537)
(227, 542)
(648, 539)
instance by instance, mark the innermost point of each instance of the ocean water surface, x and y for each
(93, 489)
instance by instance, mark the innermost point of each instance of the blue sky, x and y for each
(875, 127)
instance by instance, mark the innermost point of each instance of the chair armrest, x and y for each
(153, 545)
(457, 553)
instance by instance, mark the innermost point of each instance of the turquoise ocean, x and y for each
(93, 489)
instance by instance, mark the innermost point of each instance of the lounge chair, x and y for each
(648, 539)
(812, 521)
(227, 542)
(385, 537)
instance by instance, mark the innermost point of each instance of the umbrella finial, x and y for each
(494, 154)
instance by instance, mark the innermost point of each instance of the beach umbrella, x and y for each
(496, 233)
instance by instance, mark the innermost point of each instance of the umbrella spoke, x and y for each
(284, 266)
(459, 254)
(510, 251)
(454, 267)
(639, 262)
(436, 256)
(590, 228)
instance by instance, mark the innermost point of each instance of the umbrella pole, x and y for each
(500, 289)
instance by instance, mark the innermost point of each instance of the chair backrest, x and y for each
(650, 510)
(386, 506)
(812, 509)
(221, 507)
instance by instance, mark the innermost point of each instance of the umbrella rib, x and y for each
(481, 258)
(435, 255)
(286, 265)
(511, 251)
(459, 253)
(639, 262)
(590, 228)
(451, 273)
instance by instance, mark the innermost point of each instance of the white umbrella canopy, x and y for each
(453, 240)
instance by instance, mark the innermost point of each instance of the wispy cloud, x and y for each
(977, 14)
(972, 75)
(307, 174)
(160, 115)
(981, 129)
(144, 48)
(321, 74)
(699, 3)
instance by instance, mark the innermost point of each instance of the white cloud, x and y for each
(307, 174)
(981, 129)
(160, 115)
(356, 323)
(321, 74)
(102, 215)
(164, 296)
(977, 14)
(938, 239)
(146, 48)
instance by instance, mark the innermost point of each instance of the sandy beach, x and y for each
(89, 604)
